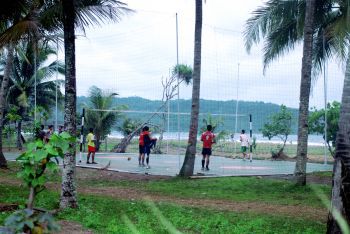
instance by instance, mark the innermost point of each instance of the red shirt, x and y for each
(141, 138)
(208, 139)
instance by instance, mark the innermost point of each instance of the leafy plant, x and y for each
(35, 161)
(128, 126)
(279, 126)
(317, 123)
(27, 220)
(216, 123)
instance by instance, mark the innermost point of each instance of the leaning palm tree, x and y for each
(283, 24)
(97, 117)
(188, 164)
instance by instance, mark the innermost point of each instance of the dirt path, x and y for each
(256, 207)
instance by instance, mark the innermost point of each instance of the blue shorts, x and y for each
(147, 150)
(141, 149)
(206, 151)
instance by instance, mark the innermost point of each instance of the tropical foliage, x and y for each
(280, 126)
(100, 113)
(279, 21)
(36, 160)
(317, 124)
(216, 123)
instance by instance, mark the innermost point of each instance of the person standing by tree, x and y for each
(208, 139)
(91, 146)
(149, 143)
(48, 134)
(244, 144)
(142, 148)
(60, 129)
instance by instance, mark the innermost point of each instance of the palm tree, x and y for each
(341, 168)
(55, 16)
(90, 12)
(283, 23)
(22, 91)
(10, 15)
(331, 38)
(3, 92)
(101, 121)
(188, 164)
(305, 86)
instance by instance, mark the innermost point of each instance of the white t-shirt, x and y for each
(244, 140)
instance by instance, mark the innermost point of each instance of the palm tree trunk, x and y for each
(19, 135)
(97, 142)
(188, 164)
(68, 192)
(121, 147)
(3, 93)
(341, 177)
(305, 85)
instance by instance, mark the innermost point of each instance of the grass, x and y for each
(107, 215)
(226, 188)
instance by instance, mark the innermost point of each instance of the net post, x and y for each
(251, 137)
(81, 135)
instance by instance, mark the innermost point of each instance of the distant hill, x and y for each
(224, 110)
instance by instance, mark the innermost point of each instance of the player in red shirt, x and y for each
(208, 139)
(142, 148)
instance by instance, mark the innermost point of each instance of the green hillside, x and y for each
(225, 110)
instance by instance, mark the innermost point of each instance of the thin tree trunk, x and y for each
(97, 142)
(68, 192)
(305, 85)
(19, 135)
(341, 179)
(188, 164)
(31, 198)
(3, 92)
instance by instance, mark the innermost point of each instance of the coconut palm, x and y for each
(188, 164)
(23, 80)
(66, 15)
(101, 121)
(79, 13)
(282, 24)
(11, 14)
(331, 38)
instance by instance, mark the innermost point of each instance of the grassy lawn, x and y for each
(108, 215)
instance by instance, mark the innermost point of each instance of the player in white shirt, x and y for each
(244, 144)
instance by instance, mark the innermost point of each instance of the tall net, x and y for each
(233, 85)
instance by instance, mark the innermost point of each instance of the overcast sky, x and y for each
(131, 57)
